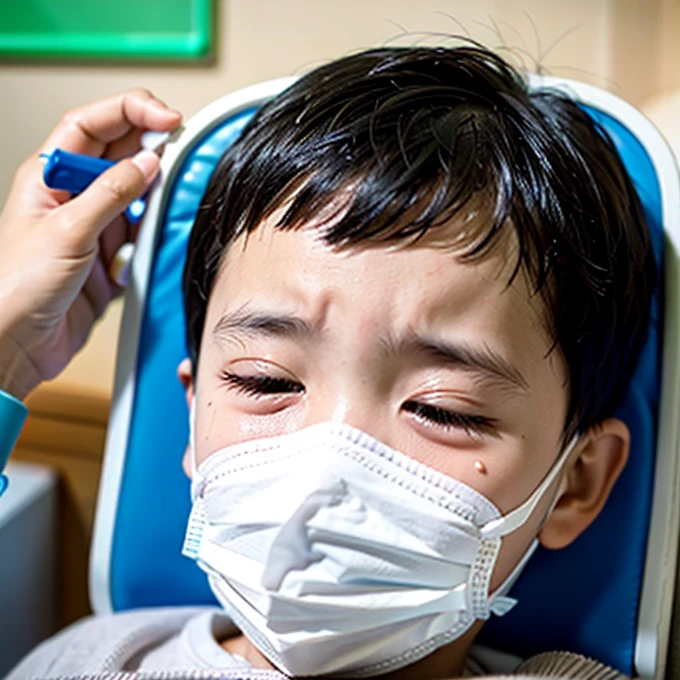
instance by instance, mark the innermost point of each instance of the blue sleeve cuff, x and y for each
(12, 417)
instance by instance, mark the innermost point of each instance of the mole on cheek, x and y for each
(480, 467)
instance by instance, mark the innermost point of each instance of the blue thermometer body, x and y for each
(74, 172)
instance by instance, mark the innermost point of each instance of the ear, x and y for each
(185, 375)
(599, 458)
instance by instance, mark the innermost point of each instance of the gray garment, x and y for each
(180, 643)
(181, 639)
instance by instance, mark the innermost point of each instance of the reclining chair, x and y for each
(609, 595)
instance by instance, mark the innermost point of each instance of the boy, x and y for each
(415, 293)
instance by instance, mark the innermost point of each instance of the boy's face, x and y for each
(438, 358)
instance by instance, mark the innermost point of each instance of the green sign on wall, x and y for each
(105, 29)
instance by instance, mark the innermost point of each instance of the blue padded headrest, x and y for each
(583, 598)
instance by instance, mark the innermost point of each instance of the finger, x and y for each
(41, 198)
(90, 128)
(112, 238)
(85, 217)
(119, 270)
(125, 146)
(28, 194)
(79, 319)
(99, 289)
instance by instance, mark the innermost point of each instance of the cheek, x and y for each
(247, 427)
(216, 425)
(515, 544)
(219, 424)
(206, 430)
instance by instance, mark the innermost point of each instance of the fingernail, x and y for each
(147, 162)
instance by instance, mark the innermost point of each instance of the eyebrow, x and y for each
(478, 359)
(482, 360)
(244, 322)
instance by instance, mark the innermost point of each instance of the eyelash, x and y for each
(257, 386)
(260, 385)
(448, 419)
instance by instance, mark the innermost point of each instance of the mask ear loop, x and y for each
(498, 602)
(517, 517)
(192, 450)
(194, 533)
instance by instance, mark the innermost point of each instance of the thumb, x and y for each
(90, 212)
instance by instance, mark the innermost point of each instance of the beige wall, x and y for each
(614, 43)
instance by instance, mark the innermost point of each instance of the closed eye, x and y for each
(434, 415)
(261, 385)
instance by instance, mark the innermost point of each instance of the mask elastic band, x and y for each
(192, 449)
(517, 517)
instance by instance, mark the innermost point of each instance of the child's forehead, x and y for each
(426, 276)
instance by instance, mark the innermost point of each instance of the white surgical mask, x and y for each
(335, 554)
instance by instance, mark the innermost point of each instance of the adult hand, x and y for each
(55, 252)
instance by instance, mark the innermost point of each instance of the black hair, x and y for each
(417, 135)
